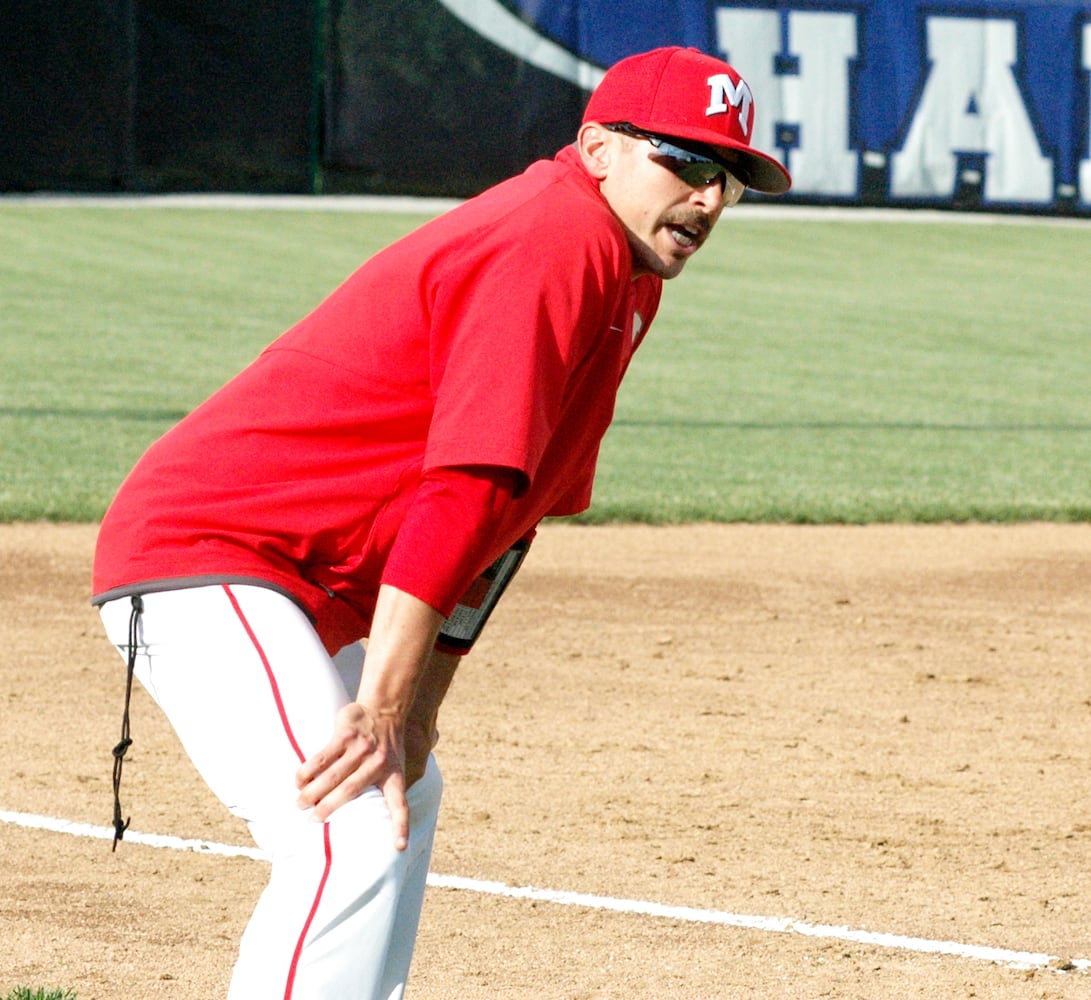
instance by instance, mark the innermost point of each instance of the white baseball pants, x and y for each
(251, 693)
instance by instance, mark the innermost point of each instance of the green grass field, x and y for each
(802, 371)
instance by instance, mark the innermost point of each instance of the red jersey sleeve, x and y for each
(514, 314)
(446, 539)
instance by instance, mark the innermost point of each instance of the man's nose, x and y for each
(710, 198)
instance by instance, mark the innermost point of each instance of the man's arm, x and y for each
(368, 744)
(421, 733)
(442, 540)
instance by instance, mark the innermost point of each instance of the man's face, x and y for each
(667, 219)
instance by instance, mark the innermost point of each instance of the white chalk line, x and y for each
(776, 925)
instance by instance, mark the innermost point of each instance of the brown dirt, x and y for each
(882, 728)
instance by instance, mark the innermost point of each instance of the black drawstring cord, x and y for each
(119, 751)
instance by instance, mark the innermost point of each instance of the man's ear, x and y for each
(593, 142)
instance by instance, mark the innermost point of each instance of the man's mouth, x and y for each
(684, 236)
(690, 232)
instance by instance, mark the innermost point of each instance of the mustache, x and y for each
(699, 222)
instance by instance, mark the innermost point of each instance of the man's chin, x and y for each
(665, 267)
(670, 268)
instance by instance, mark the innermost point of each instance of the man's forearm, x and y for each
(399, 651)
(433, 686)
(421, 731)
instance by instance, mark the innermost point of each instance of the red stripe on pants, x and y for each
(275, 689)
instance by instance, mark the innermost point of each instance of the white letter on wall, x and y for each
(1085, 165)
(972, 105)
(814, 100)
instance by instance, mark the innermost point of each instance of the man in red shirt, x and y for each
(396, 445)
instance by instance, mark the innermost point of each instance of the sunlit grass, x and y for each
(798, 371)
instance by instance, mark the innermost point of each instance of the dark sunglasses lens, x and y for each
(695, 170)
(698, 174)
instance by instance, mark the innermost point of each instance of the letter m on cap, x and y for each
(725, 92)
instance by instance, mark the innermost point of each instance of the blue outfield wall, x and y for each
(875, 102)
(947, 103)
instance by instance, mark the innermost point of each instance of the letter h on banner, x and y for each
(805, 111)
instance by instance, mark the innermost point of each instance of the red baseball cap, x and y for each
(685, 94)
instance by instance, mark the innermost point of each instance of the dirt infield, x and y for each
(881, 729)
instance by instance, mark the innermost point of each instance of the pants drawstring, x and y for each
(121, 826)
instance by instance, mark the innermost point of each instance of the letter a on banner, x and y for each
(972, 104)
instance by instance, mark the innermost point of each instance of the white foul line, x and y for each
(73, 829)
(776, 925)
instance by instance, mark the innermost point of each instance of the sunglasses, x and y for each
(694, 169)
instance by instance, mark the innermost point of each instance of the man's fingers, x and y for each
(328, 768)
(337, 785)
(393, 789)
(350, 763)
(326, 784)
(311, 768)
(327, 805)
(398, 807)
